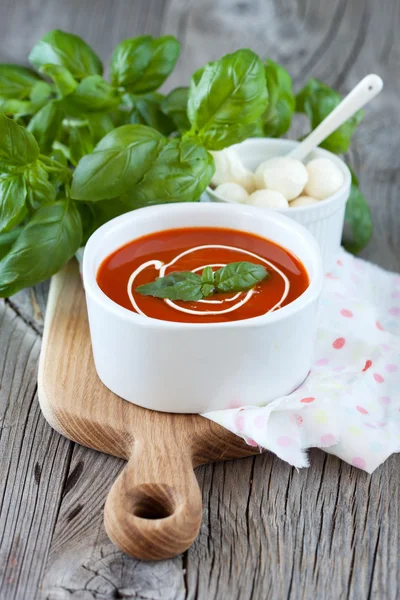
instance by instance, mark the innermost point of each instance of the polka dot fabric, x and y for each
(349, 405)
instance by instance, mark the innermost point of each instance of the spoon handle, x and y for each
(359, 96)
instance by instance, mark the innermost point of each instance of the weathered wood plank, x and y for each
(83, 563)
(33, 463)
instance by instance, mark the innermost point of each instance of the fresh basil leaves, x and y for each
(66, 50)
(118, 162)
(358, 221)
(227, 97)
(18, 147)
(142, 64)
(44, 245)
(277, 119)
(80, 150)
(16, 82)
(190, 287)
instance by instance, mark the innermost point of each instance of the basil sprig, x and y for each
(190, 287)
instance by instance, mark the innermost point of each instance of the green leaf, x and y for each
(66, 50)
(80, 142)
(45, 244)
(39, 189)
(180, 173)
(188, 286)
(41, 92)
(46, 124)
(63, 80)
(92, 95)
(100, 125)
(225, 97)
(317, 100)
(16, 82)
(146, 110)
(239, 276)
(7, 240)
(179, 285)
(17, 145)
(12, 200)
(281, 101)
(358, 218)
(118, 162)
(142, 64)
(17, 108)
(95, 214)
(174, 106)
(207, 276)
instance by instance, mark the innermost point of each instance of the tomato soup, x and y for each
(143, 260)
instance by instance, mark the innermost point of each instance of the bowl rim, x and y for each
(290, 144)
(89, 270)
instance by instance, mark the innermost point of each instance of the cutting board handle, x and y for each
(154, 509)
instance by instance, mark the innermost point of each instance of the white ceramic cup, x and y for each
(196, 367)
(324, 219)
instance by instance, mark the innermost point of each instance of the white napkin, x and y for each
(349, 404)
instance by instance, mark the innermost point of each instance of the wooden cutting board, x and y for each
(154, 509)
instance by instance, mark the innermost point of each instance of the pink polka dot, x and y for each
(328, 439)
(259, 421)
(395, 311)
(395, 294)
(299, 420)
(346, 313)
(391, 368)
(239, 422)
(378, 378)
(251, 442)
(339, 343)
(339, 262)
(369, 425)
(368, 364)
(359, 462)
(322, 361)
(379, 326)
(385, 400)
(307, 400)
(284, 441)
(339, 369)
(397, 280)
(362, 410)
(331, 276)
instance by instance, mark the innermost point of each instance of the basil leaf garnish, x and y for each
(179, 285)
(189, 287)
(239, 276)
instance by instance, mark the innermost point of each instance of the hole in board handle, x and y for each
(153, 501)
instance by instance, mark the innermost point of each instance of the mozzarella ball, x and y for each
(232, 191)
(268, 199)
(324, 178)
(303, 201)
(230, 169)
(283, 174)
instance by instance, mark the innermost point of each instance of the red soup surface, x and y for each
(192, 249)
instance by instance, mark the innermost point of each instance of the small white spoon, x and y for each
(360, 95)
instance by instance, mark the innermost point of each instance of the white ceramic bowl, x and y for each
(192, 368)
(325, 219)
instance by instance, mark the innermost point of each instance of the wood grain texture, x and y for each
(268, 531)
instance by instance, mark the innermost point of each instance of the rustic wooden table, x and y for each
(268, 531)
